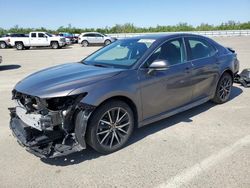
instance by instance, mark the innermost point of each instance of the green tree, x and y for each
(131, 28)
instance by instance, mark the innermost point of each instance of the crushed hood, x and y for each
(62, 79)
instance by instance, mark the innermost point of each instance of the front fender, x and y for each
(123, 85)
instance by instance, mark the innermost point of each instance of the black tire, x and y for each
(19, 46)
(3, 45)
(223, 89)
(54, 45)
(107, 42)
(115, 138)
(84, 43)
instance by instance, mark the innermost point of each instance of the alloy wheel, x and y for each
(113, 127)
(225, 88)
(54, 45)
(19, 46)
(107, 42)
(84, 43)
(2, 45)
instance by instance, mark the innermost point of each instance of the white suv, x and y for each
(86, 39)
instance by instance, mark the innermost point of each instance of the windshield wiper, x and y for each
(100, 65)
(96, 64)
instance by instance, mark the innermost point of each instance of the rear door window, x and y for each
(89, 35)
(33, 35)
(98, 35)
(199, 48)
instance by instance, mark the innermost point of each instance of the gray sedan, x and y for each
(130, 83)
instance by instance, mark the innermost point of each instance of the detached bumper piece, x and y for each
(243, 78)
(46, 143)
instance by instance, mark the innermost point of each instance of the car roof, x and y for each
(91, 32)
(164, 36)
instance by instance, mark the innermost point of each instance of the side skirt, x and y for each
(173, 112)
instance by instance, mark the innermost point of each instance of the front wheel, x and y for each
(54, 45)
(107, 42)
(3, 45)
(85, 43)
(110, 127)
(223, 89)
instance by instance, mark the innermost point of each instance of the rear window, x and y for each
(33, 35)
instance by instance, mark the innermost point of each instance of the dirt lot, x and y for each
(208, 146)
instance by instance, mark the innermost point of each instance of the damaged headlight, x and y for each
(61, 103)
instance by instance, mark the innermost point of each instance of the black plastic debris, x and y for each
(243, 78)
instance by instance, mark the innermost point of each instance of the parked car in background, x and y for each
(89, 38)
(38, 39)
(68, 41)
(69, 36)
(130, 83)
(5, 39)
(76, 35)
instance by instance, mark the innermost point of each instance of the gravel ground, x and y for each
(208, 146)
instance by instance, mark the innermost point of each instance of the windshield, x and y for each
(66, 34)
(48, 34)
(120, 54)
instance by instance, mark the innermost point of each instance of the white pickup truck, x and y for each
(38, 39)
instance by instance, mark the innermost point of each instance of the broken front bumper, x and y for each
(44, 143)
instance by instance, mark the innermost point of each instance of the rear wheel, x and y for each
(110, 127)
(85, 43)
(19, 46)
(223, 89)
(54, 45)
(3, 45)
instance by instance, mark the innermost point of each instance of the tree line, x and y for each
(131, 28)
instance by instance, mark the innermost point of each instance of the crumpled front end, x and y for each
(50, 127)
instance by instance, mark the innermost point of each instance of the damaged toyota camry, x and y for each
(130, 83)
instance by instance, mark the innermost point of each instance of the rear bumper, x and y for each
(236, 66)
(44, 144)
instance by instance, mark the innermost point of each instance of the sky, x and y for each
(100, 13)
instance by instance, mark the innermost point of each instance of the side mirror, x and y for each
(158, 65)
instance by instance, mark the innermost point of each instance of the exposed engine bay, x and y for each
(50, 127)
